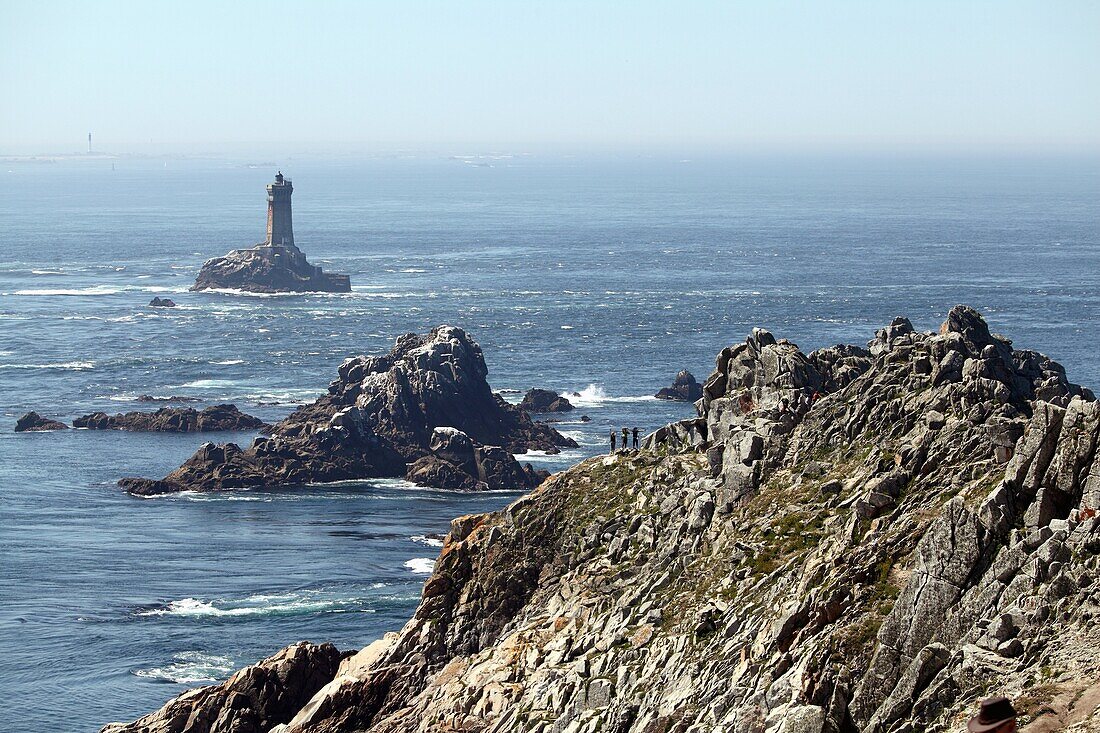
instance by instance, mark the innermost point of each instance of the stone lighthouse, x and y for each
(280, 227)
(274, 266)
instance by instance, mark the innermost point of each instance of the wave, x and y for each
(228, 362)
(421, 565)
(594, 395)
(426, 540)
(68, 366)
(300, 603)
(95, 290)
(189, 668)
(566, 456)
(47, 272)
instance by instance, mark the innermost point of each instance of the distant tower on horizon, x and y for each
(280, 227)
(89, 142)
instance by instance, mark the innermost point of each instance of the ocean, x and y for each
(597, 275)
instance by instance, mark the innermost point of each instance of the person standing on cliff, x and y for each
(635, 438)
(996, 715)
(612, 441)
(626, 439)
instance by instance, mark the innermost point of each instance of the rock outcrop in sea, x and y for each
(380, 414)
(268, 268)
(544, 400)
(32, 422)
(921, 536)
(684, 388)
(174, 420)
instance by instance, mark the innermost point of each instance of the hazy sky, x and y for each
(190, 75)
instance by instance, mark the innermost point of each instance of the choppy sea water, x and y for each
(601, 276)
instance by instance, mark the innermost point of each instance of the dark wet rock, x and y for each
(32, 422)
(684, 388)
(380, 414)
(159, 302)
(253, 700)
(174, 420)
(457, 463)
(544, 400)
(268, 268)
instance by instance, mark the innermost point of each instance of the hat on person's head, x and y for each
(995, 712)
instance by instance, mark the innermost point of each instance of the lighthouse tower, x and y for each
(280, 227)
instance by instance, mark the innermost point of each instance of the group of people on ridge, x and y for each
(627, 434)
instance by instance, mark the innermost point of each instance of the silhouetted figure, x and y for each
(995, 716)
(626, 439)
(613, 440)
(635, 438)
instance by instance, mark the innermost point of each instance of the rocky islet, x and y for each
(382, 417)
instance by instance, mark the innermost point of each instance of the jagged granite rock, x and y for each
(639, 593)
(268, 268)
(684, 388)
(174, 420)
(32, 422)
(455, 462)
(159, 302)
(253, 700)
(544, 400)
(380, 414)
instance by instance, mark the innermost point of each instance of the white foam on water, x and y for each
(228, 362)
(189, 668)
(571, 455)
(425, 540)
(249, 294)
(47, 272)
(93, 290)
(297, 603)
(584, 438)
(209, 384)
(67, 366)
(421, 565)
(594, 395)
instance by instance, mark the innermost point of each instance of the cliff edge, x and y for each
(921, 535)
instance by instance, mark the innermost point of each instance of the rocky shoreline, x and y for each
(424, 411)
(854, 539)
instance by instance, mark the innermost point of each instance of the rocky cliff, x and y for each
(379, 415)
(878, 559)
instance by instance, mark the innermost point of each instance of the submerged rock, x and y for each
(380, 414)
(858, 562)
(544, 400)
(174, 420)
(684, 388)
(32, 422)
